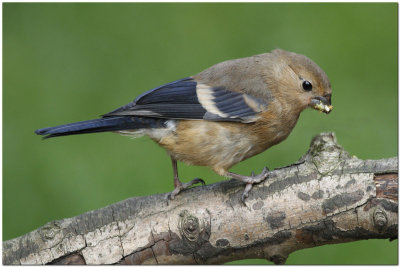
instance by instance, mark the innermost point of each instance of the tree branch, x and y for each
(327, 197)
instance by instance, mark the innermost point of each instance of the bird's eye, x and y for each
(307, 86)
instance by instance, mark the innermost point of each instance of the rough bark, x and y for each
(327, 197)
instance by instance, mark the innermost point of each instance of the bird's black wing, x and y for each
(188, 99)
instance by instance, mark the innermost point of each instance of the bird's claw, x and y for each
(265, 170)
(198, 180)
(182, 186)
(255, 179)
(171, 195)
(246, 193)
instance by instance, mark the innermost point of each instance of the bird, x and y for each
(221, 116)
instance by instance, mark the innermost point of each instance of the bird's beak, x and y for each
(322, 103)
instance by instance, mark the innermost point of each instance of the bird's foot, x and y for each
(253, 179)
(250, 180)
(181, 186)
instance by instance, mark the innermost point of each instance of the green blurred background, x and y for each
(71, 62)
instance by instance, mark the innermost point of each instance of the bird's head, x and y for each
(302, 81)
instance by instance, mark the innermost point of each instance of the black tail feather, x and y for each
(100, 125)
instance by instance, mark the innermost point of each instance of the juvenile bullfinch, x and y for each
(225, 114)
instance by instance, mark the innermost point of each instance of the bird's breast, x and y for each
(207, 143)
(221, 145)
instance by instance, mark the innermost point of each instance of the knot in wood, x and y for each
(380, 219)
(50, 230)
(278, 259)
(189, 226)
(326, 153)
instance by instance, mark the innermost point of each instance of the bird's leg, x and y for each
(179, 186)
(249, 180)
